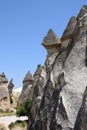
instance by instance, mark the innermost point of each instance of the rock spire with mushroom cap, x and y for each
(27, 90)
(51, 42)
(3, 78)
(28, 77)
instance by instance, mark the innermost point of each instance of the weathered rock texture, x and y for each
(14, 99)
(81, 121)
(4, 94)
(51, 42)
(59, 87)
(10, 87)
(27, 90)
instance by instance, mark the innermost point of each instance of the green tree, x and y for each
(27, 106)
(25, 109)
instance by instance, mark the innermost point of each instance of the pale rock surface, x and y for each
(60, 92)
(4, 94)
(27, 90)
(81, 121)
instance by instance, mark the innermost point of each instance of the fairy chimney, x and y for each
(51, 42)
(4, 94)
(3, 79)
(28, 79)
(10, 86)
(27, 90)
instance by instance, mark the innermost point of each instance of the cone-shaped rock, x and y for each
(69, 29)
(28, 77)
(38, 71)
(51, 41)
(27, 90)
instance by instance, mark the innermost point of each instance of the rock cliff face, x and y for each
(4, 94)
(27, 90)
(81, 121)
(59, 86)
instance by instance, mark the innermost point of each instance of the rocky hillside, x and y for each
(59, 101)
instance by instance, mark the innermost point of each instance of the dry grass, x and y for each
(8, 113)
(2, 127)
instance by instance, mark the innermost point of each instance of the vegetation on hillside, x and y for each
(22, 125)
(25, 109)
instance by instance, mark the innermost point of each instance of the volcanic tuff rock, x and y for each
(10, 86)
(27, 90)
(81, 121)
(51, 42)
(59, 87)
(4, 94)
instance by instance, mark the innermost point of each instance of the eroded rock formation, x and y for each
(27, 90)
(4, 94)
(10, 87)
(81, 121)
(59, 86)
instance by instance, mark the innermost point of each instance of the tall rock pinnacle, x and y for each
(59, 88)
(4, 94)
(27, 90)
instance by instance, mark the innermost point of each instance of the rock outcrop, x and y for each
(4, 94)
(10, 87)
(58, 88)
(27, 90)
(81, 121)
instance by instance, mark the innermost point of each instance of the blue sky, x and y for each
(23, 24)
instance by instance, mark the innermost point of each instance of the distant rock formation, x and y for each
(27, 90)
(4, 94)
(60, 83)
(14, 99)
(10, 87)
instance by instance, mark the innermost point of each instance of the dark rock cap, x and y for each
(28, 77)
(38, 71)
(11, 85)
(3, 78)
(51, 40)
